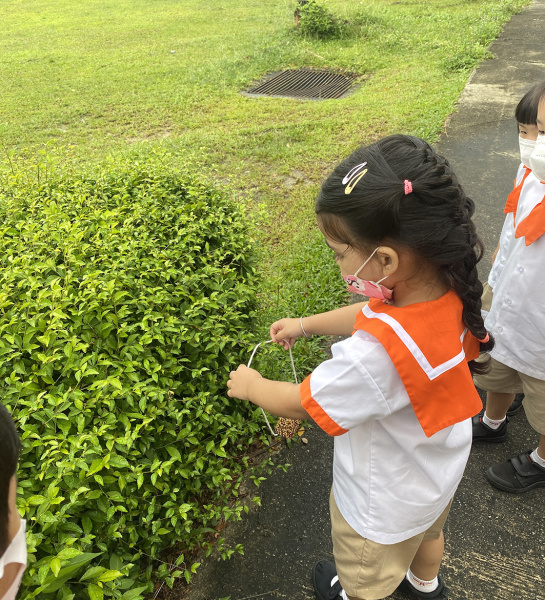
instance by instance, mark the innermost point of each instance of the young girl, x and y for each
(526, 117)
(13, 555)
(491, 426)
(397, 394)
(516, 318)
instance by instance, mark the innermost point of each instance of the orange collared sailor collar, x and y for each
(429, 347)
(513, 198)
(531, 227)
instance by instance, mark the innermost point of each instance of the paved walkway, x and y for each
(495, 541)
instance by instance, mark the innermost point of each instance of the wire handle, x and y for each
(294, 376)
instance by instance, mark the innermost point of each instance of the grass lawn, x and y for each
(105, 76)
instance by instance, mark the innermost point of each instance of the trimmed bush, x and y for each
(125, 299)
(317, 21)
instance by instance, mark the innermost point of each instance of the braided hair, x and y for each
(9, 451)
(433, 220)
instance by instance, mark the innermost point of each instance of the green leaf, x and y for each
(110, 575)
(95, 592)
(133, 594)
(55, 566)
(93, 573)
(174, 453)
(67, 553)
(96, 466)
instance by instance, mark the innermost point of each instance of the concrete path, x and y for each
(495, 541)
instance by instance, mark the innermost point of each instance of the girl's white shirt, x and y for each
(390, 481)
(507, 233)
(516, 317)
(16, 552)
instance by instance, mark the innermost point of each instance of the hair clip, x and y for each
(353, 176)
(408, 187)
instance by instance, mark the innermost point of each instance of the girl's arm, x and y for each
(279, 398)
(335, 322)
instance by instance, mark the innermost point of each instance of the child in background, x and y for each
(12, 528)
(516, 317)
(398, 394)
(526, 117)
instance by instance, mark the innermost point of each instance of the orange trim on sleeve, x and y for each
(316, 412)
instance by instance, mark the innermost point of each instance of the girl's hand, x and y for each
(240, 381)
(285, 332)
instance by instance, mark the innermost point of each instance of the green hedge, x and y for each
(125, 299)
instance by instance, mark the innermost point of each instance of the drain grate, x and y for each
(304, 83)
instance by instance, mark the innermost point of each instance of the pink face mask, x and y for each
(364, 287)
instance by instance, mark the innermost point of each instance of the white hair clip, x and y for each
(353, 176)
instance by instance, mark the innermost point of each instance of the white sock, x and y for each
(493, 424)
(420, 584)
(537, 459)
(343, 593)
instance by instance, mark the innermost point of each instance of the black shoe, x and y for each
(516, 405)
(325, 581)
(440, 592)
(483, 433)
(517, 475)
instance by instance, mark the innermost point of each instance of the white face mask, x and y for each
(526, 148)
(15, 553)
(537, 158)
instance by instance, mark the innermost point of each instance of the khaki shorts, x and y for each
(506, 380)
(368, 570)
(486, 298)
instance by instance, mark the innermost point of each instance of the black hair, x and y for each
(433, 221)
(538, 92)
(9, 452)
(526, 110)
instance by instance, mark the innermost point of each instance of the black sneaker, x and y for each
(516, 405)
(483, 433)
(440, 592)
(325, 581)
(517, 475)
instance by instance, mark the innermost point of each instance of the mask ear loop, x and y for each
(294, 376)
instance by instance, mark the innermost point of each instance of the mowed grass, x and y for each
(101, 77)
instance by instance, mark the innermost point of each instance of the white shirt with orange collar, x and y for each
(517, 315)
(393, 476)
(507, 233)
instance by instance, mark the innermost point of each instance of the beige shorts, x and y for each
(368, 570)
(486, 298)
(506, 380)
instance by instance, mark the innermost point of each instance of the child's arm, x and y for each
(335, 322)
(279, 398)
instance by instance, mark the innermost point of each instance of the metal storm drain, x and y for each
(304, 83)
